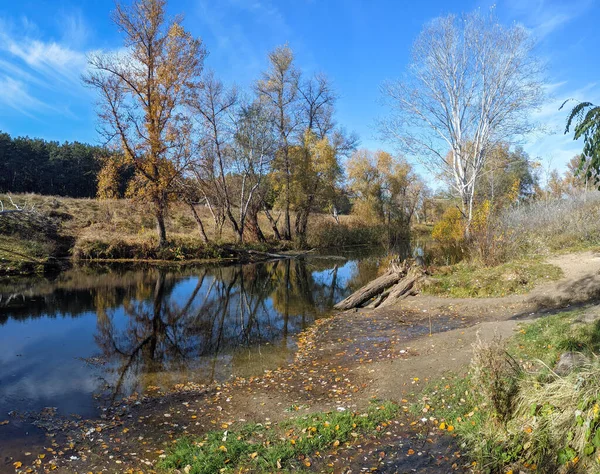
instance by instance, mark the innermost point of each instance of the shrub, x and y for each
(496, 374)
(449, 232)
(486, 240)
(550, 423)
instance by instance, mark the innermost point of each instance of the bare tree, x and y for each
(143, 92)
(217, 107)
(472, 84)
(278, 89)
(253, 153)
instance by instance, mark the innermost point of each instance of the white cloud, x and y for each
(36, 74)
(14, 95)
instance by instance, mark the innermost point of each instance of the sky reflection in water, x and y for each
(88, 338)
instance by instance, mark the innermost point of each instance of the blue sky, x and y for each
(357, 43)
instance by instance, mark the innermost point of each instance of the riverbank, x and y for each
(342, 364)
(57, 231)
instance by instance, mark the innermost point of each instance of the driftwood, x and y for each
(397, 283)
(279, 256)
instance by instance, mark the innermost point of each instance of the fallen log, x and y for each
(371, 290)
(397, 283)
(404, 287)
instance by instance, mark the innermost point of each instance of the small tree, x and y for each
(143, 92)
(472, 84)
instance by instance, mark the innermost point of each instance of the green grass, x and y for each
(275, 448)
(468, 280)
(555, 425)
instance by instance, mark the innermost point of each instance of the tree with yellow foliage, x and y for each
(143, 92)
(385, 187)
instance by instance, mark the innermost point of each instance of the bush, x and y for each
(496, 374)
(550, 423)
(449, 232)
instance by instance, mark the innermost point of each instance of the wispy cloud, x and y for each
(544, 17)
(37, 73)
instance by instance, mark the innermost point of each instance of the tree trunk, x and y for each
(377, 286)
(160, 225)
(287, 223)
(404, 287)
(302, 222)
(253, 225)
(273, 224)
(199, 222)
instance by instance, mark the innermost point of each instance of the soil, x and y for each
(343, 361)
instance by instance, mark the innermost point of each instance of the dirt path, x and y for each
(343, 361)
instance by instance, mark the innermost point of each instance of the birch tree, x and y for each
(471, 85)
(253, 153)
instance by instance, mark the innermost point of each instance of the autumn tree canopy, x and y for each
(143, 92)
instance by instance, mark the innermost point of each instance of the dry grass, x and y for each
(542, 227)
(122, 229)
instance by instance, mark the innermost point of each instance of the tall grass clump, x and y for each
(541, 227)
(497, 375)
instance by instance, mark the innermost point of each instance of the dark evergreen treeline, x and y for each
(32, 165)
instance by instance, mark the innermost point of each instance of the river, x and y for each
(74, 343)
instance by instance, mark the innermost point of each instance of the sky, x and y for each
(358, 44)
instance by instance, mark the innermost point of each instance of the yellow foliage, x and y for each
(108, 179)
(450, 230)
(481, 217)
(515, 190)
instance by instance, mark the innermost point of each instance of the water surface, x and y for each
(88, 337)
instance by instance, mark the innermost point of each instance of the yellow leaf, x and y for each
(253, 455)
(450, 428)
(223, 448)
(17, 464)
(336, 443)
(442, 426)
(41, 456)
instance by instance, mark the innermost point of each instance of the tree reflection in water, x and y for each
(201, 328)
